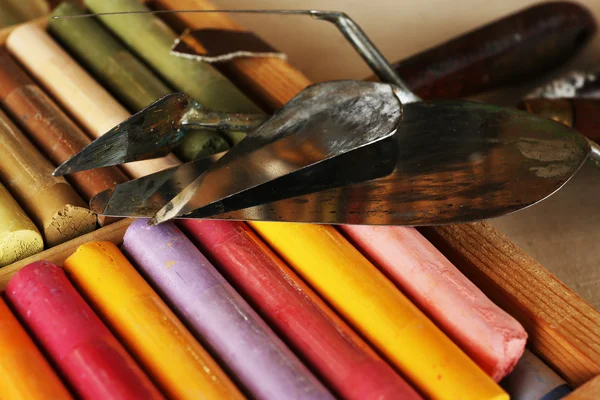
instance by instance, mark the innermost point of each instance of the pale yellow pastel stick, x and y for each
(19, 237)
(146, 325)
(379, 311)
(84, 98)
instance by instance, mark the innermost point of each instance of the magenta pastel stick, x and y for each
(218, 315)
(90, 358)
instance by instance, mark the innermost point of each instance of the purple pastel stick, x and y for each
(218, 315)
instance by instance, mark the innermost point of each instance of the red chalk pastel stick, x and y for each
(90, 358)
(326, 343)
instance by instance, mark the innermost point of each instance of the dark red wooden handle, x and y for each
(513, 49)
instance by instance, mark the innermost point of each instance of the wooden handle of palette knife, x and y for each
(521, 46)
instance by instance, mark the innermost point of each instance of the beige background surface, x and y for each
(562, 232)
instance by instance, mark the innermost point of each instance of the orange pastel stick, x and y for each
(24, 372)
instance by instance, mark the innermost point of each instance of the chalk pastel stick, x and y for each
(328, 344)
(218, 315)
(90, 358)
(124, 75)
(51, 202)
(75, 90)
(146, 325)
(152, 39)
(533, 380)
(131, 81)
(19, 237)
(24, 372)
(49, 127)
(489, 335)
(379, 311)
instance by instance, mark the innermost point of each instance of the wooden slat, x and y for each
(58, 254)
(589, 391)
(564, 330)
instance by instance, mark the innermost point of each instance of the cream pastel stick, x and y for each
(84, 98)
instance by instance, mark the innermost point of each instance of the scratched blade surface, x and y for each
(150, 133)
(324, 121)
(456, 162)
(144, 196)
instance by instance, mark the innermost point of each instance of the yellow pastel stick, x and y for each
(378, 310)
(146, 325)
(24, 372)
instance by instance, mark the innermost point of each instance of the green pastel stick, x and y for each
(130, 80)
(202, 144)
(123, 74)
(152, 39)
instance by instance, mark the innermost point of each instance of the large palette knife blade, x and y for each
(343, 152)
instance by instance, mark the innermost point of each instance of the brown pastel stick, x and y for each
(57, 255)
(269, 80)
(76, 91)
(511, 50)
(49, 127)
(564, 329)
(9, 15)
(581, 114)
(51, 202)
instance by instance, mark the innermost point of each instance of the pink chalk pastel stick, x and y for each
(490, 336)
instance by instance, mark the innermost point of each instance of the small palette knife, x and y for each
(341, 152)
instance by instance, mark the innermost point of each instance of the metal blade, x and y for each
(150, 133)
(324, 121)
(153, 132)
(144, 196)
(457, 162)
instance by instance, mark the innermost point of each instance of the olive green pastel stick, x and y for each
(131, 81)
(152, 39)
(122, 73)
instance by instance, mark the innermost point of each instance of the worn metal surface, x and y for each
(154, 132)
(324, 121)
(453, 162)
(371, 160)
